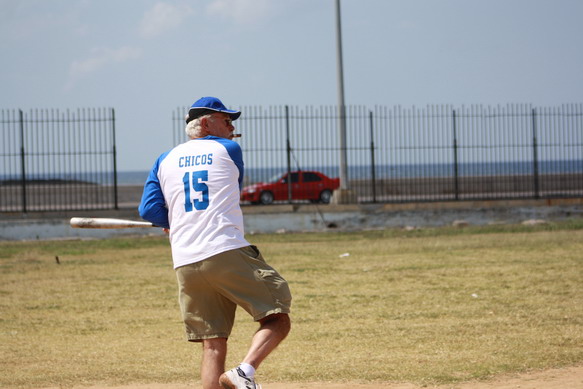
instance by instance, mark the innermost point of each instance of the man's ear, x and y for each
(204, 125)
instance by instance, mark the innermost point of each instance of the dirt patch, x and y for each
(566, 378)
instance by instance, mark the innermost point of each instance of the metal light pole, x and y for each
(341, 106)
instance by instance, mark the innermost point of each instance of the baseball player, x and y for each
(193, 191)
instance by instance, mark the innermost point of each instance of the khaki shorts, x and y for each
(210, 290)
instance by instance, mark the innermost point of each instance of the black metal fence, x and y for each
(58, 160)
(55, 160)
(434, 153)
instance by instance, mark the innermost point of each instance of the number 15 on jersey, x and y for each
(196, 181)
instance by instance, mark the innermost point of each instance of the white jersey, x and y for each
(194, 190)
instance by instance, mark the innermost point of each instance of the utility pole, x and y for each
(342, 195)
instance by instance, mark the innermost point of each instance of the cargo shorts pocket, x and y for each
(251, 251)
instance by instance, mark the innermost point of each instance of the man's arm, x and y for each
(153, 205)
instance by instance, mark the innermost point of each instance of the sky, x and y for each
(147, 58)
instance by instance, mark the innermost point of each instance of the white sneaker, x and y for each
(236, 379)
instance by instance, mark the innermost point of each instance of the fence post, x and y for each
(114, 150)
(535, 156)
(455, 159)
(288, 155)
(22, 161)
(372, 159)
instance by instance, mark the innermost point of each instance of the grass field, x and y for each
(428, 306)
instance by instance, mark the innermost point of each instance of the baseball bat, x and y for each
(97, 222)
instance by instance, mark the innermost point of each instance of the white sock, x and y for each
(247, 369)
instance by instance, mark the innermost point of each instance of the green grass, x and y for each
(429, 306)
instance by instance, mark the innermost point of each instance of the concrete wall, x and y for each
(300, 218)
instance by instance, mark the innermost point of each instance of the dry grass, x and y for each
(428, 306)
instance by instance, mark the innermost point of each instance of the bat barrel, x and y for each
(95, 222)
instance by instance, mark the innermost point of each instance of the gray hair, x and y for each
(194, 129)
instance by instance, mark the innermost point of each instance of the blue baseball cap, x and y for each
(207, 105)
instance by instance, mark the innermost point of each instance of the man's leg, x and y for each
(214, 352)
(273, 329)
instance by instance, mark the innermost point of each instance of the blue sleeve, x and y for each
(236, 155)
(153, 205)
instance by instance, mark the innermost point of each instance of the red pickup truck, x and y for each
(305, 185)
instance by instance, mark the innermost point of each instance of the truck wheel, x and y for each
(326, 196)
(266, 198)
